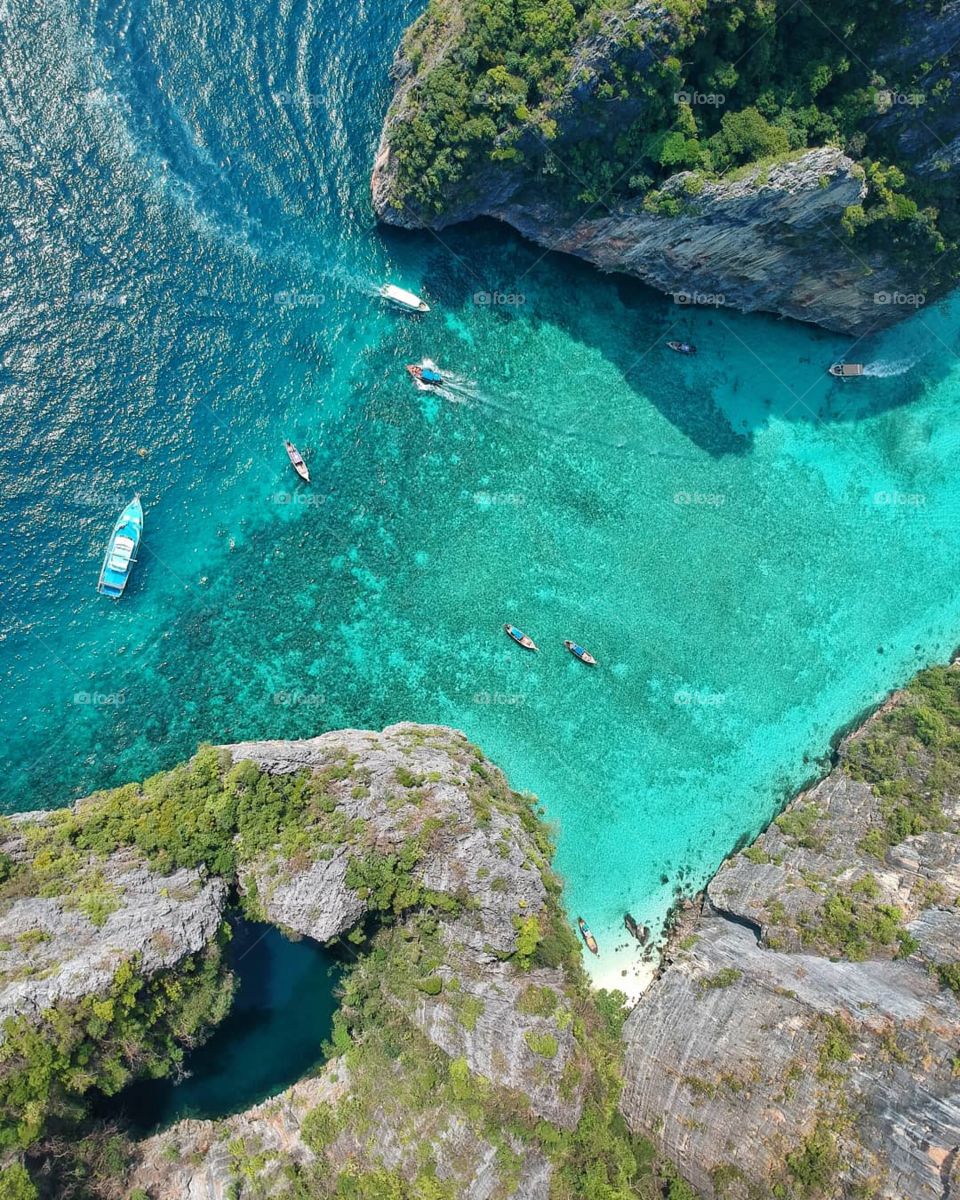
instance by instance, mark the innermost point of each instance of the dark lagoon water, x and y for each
(753, 551)
(281, 1015)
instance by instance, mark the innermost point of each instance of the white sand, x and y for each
(623, 969)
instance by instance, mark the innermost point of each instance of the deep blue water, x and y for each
(754, 552)
(281, 1015)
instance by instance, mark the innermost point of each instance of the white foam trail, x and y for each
(887, 369)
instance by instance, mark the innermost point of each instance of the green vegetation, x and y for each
(850, 925)
(139, 1027)
(799, 825)
(949, 975)
(16, 1184)
(544, 1044)
(911, 758)
(696, 87)
(814, 1166)
(725, 977)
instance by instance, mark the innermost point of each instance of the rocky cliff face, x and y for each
(767, 238)
(411, 828)
(802, 1035)
(800, 1041)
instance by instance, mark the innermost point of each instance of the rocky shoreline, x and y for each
(773, 235)
(799, 1041)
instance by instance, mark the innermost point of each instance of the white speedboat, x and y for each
(403, 299)
(845, 370)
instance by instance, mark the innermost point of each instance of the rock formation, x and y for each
(800, 1040)
(802, 1034)
(763, 238)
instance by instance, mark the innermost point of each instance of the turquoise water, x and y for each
(282, 1013)
(754, 552)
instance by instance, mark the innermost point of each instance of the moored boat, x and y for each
(403, 299)
(578, 652)
(519, 637)
(589, 939)
(425, 373)
(682, 347)
(844, 370)
(121, 550)
(297, 459)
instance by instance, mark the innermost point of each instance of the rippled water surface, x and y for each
(753, 551)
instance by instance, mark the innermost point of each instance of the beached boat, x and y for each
(425, 373)
(589, 939)
(640, 932)
(683, 347)
(842, 370)
(578, 652)
(519, 637)
(403, 299)
(121, 551)
(297, 459)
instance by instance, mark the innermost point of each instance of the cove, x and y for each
(754, 552)
(281, 1015)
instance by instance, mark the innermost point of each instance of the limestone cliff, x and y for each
(800, 1041)
(465, 1021)
(804, 1033)
(775, 236)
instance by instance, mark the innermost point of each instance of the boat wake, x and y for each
(888, 369)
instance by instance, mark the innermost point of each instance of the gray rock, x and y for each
(770, 241)
(491, 865)
(53, 953)
(751, 1042)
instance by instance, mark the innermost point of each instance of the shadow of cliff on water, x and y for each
(748, 369)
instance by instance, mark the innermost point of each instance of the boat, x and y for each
(121, 550)
(843, 370)
(683, 347)
(403, 298)
(640, 932)
(589, 939)
(425, 373)
(578, 652)
(297, 459)
(519, 637)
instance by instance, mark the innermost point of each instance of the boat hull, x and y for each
(403, 299)
(589, 940)
(583, 655)
(121, 552)
(518, 636)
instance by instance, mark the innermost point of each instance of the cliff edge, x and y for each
(803, 1036)
(692, 148)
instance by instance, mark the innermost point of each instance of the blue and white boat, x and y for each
(121, 551)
